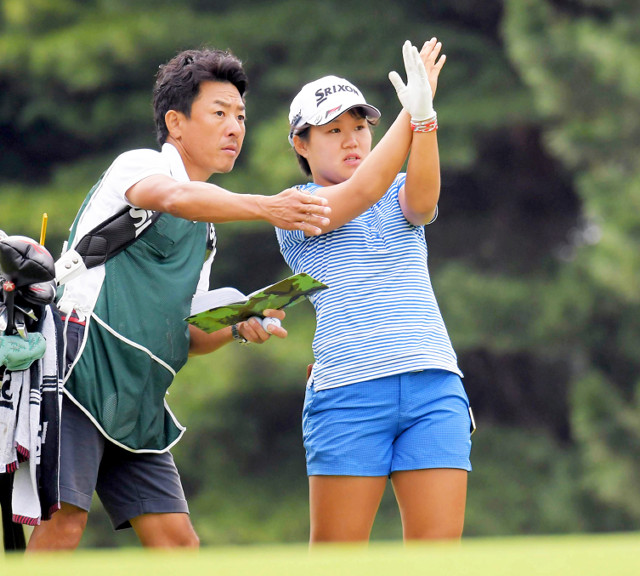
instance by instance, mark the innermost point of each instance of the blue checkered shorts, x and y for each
(410, 421)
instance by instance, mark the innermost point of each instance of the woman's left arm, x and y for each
(421, 191)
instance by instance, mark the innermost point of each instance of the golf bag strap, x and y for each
(105, 241)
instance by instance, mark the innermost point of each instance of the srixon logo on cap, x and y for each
(323, 93)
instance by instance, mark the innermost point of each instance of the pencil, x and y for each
(43, 229)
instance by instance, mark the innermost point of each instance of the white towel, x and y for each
(22, 436)
(35, 489)
(9, 402)
(26, 501)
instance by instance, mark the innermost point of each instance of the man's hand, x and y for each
(293, 209)
(429, 55)
(253, 331)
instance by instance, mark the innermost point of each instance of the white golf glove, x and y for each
(416, 96)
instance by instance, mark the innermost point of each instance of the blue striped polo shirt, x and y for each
(379, 316)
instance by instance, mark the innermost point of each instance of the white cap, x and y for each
(323, 100)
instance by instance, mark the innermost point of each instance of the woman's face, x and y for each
(335, 150)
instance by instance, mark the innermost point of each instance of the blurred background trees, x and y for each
(535, 256)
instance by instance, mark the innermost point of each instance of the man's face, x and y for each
(210, 140)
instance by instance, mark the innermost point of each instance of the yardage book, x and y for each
(222, 307)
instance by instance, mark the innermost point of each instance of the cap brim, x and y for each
(371, 112)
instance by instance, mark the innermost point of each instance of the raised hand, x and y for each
(416, 96)
(429, 55)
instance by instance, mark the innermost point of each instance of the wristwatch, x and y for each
(236, 335)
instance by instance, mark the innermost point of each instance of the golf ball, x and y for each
(267, 323)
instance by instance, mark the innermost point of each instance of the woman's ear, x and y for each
(300, 146)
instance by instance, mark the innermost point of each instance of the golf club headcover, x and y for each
(39, 293)
(23, 261)
(17, 353)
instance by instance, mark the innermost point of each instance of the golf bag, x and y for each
(27, 287)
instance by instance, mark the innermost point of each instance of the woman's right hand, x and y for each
(416, 96)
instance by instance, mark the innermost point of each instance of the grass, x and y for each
(585, 555)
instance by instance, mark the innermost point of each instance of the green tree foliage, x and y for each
(582, 63)
(534, 256)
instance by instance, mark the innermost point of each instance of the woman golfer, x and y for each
(385, 397)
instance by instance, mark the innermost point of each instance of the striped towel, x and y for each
(36, 493)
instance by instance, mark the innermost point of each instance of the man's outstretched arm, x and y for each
(201, 201)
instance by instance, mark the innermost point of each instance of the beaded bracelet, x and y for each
(428, 125)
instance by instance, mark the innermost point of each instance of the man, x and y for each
(126, 336)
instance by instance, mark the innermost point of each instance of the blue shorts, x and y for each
(129, 484)
(410, 421)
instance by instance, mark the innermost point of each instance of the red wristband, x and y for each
(428, 125)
